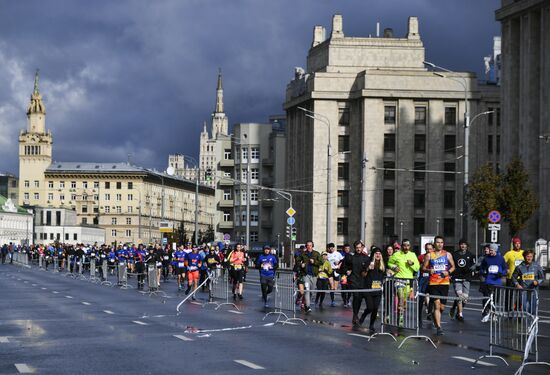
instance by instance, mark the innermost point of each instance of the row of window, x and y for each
(32, 150)
(419, 167)
(254, 153)
(449, 201)
(85, 184)
(254, 173)
(57, 236)
(127, 232)
(419, 227)
(449, 143)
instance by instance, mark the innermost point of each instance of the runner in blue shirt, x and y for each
(267, 263)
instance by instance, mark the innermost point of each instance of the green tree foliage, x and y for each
(484, 193)
(517, 200)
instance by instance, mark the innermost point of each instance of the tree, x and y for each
(484, 193)
(208, 235)
(517, 200)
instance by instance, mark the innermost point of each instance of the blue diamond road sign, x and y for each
(291, 221)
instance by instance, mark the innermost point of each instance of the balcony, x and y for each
(226, 203)
(226, 225)
(267, 162)
(266, 224)
(267, 202)
(225, 163)
(225, 182)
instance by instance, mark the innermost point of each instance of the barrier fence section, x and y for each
(513, 324)
(122, 276)
(285, 298)
(400, 307)
(219, 288)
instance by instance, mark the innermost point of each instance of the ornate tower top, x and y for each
(219, 94)
(36, 105)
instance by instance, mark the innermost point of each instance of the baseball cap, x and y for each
(516, 240)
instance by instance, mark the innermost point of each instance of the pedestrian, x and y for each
(309, 263)
(464, 262)
(267, 264)
(323, 279)
(440, 265)
(528, 276)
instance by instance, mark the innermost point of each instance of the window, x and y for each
(389, 173)
(75, 236)
(36, 183)
(50, 184)
(36, 196)
(389, 114)
(96, 197)
(119, 185)
(448, 227)
(449, 199)
(497, 116)
(73, 184)
(450, 167)
(96, 184)
(343, 171)
(343, 198)
(389, 223)
(227, 154)
(343, 116)
(244, 174)
(73, 197)
(498, 144)
(107, 197)
(253, 195)
(85, 184)
(118, 209)
(84, 220)
(389, 142)
(119, 197)
(450, 116)
(418, 226)
(389, 198)
(26, 196)
(130, 197)
(27, 183)
(490, 116)
(96, 210)
(128, 221)
(450, 143)
(66, 236)
(128, 232)
(343, 143)
(130, 209)
(62, 197)
(84, 209)
(419, 199)
(62, 184)
(130, 185)
(50, 196)
(226, 194)
(243, 196)
(113, 221)
(107, 209)
(342, 226)
(253, 236)
(420, 143)
(226, 216)
(244, 152)
(420, 115)
(107, 185)
(490, 144)
(254, 216)
(254, 173)
(51, 236)
(84, 197)
(113, 232)
(255, 153)
(227, 174)
(419, 166)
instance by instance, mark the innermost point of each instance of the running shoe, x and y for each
(439, 332)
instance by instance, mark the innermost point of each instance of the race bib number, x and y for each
(266, 266)
(528, 276)
(440, 267)
(92, 254)
(102, 256)
(376, 284)
(493, 269)
(180, 264)
(211, 261)
(159, 264)
(238, 267)
(193, 268)
(518, 262)
(166, 257)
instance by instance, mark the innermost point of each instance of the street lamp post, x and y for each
(364, 162)
(197, 175)
(325, 120)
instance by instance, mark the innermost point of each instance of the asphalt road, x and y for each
(50, 324)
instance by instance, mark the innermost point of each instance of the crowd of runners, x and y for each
(355, 273)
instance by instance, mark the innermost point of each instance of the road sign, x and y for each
(291, 221)
(494, 216)
(494, 236)
(164, 240)
(226, 236)
(493, 227)
(166, 227)
(291, 211)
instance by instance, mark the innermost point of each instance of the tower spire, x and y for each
(35, 92)
(219, 93)
(36, 105)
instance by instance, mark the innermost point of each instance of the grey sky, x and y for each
(139, 77)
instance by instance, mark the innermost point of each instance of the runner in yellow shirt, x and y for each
(513, 258)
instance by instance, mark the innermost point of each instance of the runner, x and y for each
(493, 269)
(267, 263)
(513, 258)
(346, 297)
(309, 263)
(139, 261)
(335, 259)
(423, 281)
(439, 264)
(354, 267)
(193, 262)
(404, 264)
(373, 279)
(236, 261)
(465, 263)
(179, 260)
(528, 276)
(323, 279)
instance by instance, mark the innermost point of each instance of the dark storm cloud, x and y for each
(139, 77)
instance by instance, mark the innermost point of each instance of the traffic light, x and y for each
(208, 174)
(293, 238)
(288, 231)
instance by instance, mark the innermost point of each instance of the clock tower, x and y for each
(35, 153)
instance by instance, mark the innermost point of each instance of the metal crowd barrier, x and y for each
(219, 288)
(93, 266)
(513, 323)
(400, 308)
(122, 275)
(104, 273)
(40, 261)
(285, 298)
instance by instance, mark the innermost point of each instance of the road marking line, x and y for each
(196, 303)
(70, 297)
(43, 288)
(108, 312)
(473, 360)
(23, 368)
(55, 292)
(33, 284)
(249, 364)
(4, 339)
(235, 311)
(86, 303)
(223, 329)
(183, 338)
(140, 323)
(358, 335)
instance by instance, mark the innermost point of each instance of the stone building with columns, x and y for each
(525, 90)
(382, 104)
